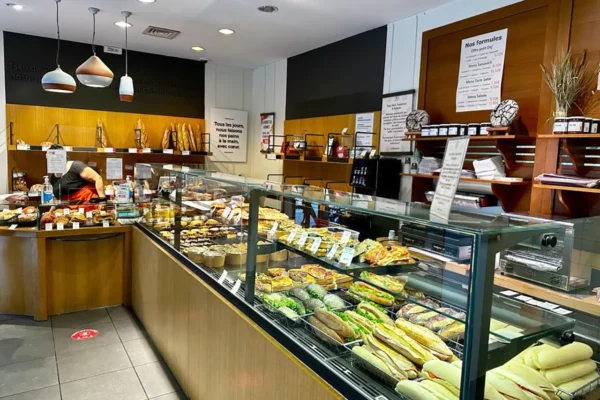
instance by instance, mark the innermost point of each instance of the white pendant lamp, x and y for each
(94, 73)
(58, 81)
(126, 86)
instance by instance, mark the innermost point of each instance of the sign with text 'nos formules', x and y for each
(229, 134)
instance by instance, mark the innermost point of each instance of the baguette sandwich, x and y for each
(384, 351)
(380, 361)
(361, 290)
(425, 390)
(358, 319)
(325, 333)
(507, 388)
(426, 338)
(392, 284)
(401, 343)
(340, 323)
(373, 313)
(529, 380)
(444, 374)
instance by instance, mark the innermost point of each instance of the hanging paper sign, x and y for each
(114, 168)
(267, 129)
(364, 123)
(480, 72)
(56, 161)
(394, 110)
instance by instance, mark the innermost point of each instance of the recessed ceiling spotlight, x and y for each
(226, 31)
(14, 6)
(147, 1)
(197, 48)
(123, 24)
(268, 9)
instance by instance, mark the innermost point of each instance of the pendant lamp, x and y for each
(126, 86)
(94, 73)
(58, 81)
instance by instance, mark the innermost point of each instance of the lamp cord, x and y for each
(94, 36)
(126, 49)
(58, 34)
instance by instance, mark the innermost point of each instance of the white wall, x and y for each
(404, 40)
(3, 131)
(256, 91)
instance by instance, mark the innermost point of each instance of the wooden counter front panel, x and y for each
(214, 351)
(18, 275)
(84, 274)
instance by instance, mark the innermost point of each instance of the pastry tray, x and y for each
(333, 345)
(582, 391)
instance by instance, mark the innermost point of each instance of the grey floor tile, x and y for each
(157, 379)
(24, 340)
(81, 319)
(119, 385)
(106, 335)
(82, 364)
(119, 312)
(49, 393)
(130, 328)
(171, 396)
(27, 376)
(141, 351)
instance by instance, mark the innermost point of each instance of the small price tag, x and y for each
(19, 210)
(13, 227)
(562, 311)
(48, 227)
(271, 156)
(45, 148)
(523, 298)
(185, 153)
(81, 210)
(146, 151)
(315, 246)
(372, 153)
(60, 226)
(363, 154)
(133, 151)
(89, 215)
(226, 212)
(236, 286)
(509, 293)
(291, 236)
(273, 230)
(332, 251)
(345, 238)
(344, 131)
(233, 214)
(185, 169)
(167, 151)
(105, 223)
(75, 225)
(302, 240)
(109, 150)
(347, 256)
(549, 306)
(66, 211)
(23, 147)
(222, 277)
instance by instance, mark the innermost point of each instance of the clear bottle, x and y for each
(130, 185)
(47, 191)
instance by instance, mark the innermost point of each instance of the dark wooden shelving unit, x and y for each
(577, 201)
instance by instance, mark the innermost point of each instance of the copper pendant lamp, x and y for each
(58, 81)
(94, 73)
(126, 90)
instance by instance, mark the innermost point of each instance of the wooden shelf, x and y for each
(578, 201)
(567, 188)
(441, 138)
(465, 179)
(112, 150)
(571, 136)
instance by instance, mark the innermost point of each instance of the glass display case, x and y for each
(346, 282)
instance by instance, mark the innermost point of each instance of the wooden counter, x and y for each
(214, 349)
(46, 273)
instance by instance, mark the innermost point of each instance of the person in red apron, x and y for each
(80, 184)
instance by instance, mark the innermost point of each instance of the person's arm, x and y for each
(93, 177)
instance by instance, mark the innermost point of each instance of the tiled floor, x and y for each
(40, 361)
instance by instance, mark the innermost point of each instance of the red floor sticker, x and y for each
(84, 334)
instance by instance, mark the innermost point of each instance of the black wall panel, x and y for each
(344, 77)
(163, 85)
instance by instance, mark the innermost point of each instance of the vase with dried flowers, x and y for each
(571, 82)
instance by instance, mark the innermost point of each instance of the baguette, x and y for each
(165, 139)
(360, 320)
(382, 350)
(529, 380)
(186, 138)
(505, 386)
(371, 293)
(567, 373)
(336, 323)
(400, 342)
(443, 373)
(427, 338)
(373, 313)
(191, 138)
(324, 333)
(383, 281)
(379, 362)
(415, 391)
(438, 390)
(554, 358)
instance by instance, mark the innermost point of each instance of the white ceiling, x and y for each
(260, 38)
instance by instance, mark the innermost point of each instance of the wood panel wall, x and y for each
(213, 349)
(36, 124)
(332, 172)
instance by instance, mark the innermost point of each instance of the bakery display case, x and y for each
(375, 318)
(60, 215)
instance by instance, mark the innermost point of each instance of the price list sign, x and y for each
(481, 69)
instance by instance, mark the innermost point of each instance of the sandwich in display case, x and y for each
(375, 318)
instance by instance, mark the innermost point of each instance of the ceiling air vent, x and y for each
(162, 33)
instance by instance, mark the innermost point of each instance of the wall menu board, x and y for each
(229, 139)
(394, 110)
(480, 73)
(163, 85)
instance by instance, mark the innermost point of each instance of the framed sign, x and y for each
(230, 133)
(267, 129)
(395, 108)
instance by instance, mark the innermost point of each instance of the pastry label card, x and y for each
(315, 246)
(454, 157)
(480, 73)
(333, 250)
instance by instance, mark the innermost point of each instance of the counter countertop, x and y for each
(34, 232)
